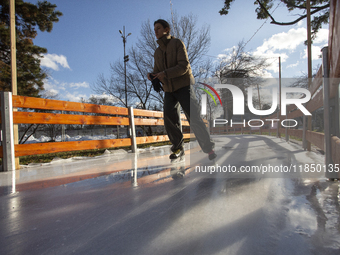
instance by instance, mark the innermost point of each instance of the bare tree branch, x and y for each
(317, 9)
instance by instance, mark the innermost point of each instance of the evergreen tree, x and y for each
(29, 17)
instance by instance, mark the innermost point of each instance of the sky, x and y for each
(86, 40)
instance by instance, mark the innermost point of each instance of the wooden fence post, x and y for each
(8, 156)
(326, 114)
(286, 128)
(304, 132)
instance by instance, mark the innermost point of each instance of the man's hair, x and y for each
(164, 23)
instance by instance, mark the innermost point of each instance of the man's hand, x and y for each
(160, 75)
(155, 82)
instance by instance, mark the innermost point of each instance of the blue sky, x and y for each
(86, 39)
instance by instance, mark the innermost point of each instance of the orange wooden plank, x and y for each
(187, 136)
(45, 148)
(58, 105)
(316, 138)
(272, 116)
(294, 114)
(48, 104)
(295, 132)
(291, 108)
(147, 122)
(185, 123)
(55, 118)
(311, 106)
(147, 113)
(335, 141)
(153, 122)
(316, 102)
(152, 139)
(159, 138)
(317, 82)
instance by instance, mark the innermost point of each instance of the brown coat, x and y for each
(171, 56)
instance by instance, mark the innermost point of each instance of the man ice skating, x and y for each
(173, 70)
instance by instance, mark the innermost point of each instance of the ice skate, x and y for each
(212, 155)
(177, 156)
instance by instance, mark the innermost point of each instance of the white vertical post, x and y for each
(8, 158)
(132, 130)
(180, 123)
(134, 172)
(204, 104)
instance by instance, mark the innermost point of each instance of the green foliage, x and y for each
(319, 9)
(225, 9)
(29, 17)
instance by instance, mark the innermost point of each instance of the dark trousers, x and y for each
(186, 98)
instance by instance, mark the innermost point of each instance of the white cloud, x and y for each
(108, 98)
(48, 85)
(78, 85)
(277, 45)
(300, 23)
(52, 93)
(53, 61)
(293, 65)
(285, 44)
(283, 41)
(104, 96)
(272, 59)
(320, 41)
(52, 84)
(74, 97)
(321, 37)
(62, 89)
(228, 54)
(316, 52)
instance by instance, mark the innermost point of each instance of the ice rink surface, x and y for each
(125, 203)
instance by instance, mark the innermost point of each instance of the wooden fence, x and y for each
(105, 115)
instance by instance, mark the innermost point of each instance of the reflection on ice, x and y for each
(141, 202)
(117, 163)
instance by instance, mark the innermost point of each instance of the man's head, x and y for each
(162, 28)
